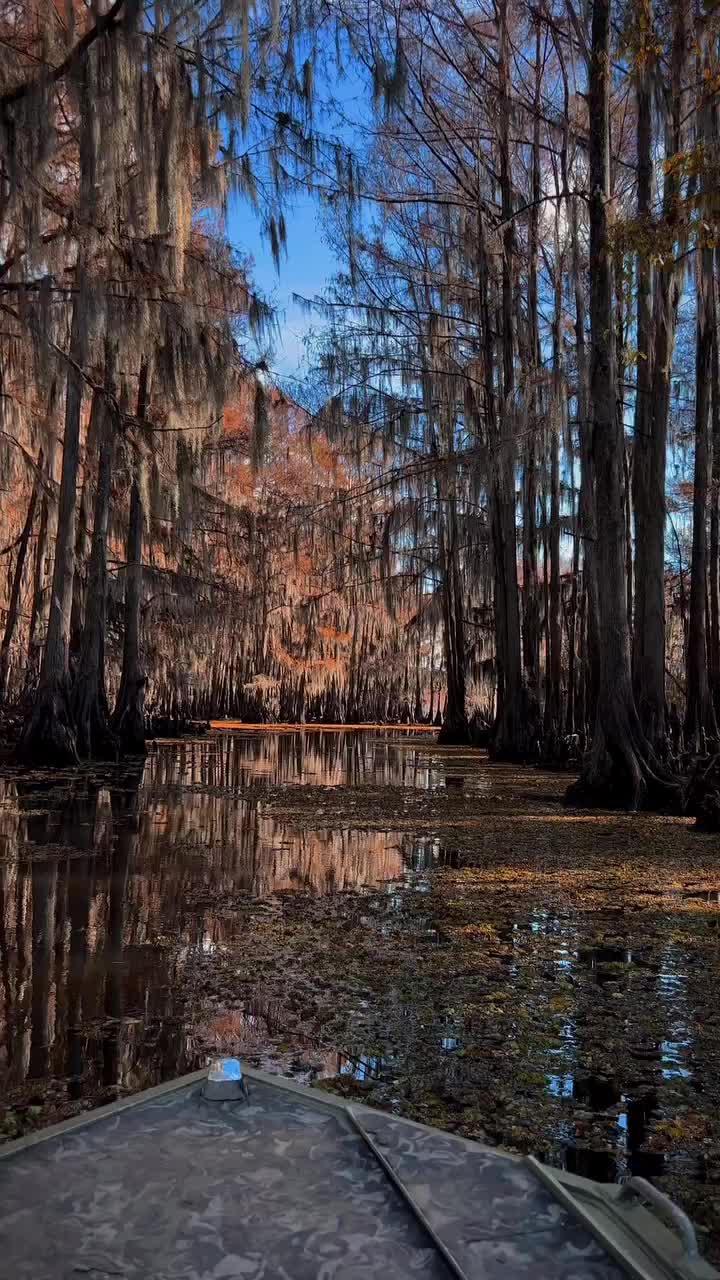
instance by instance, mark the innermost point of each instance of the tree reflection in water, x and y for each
(95, 877)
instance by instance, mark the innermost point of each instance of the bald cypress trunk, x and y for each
(36, 608)
(83, 534)
(128, 720)
(658, 294)
(90, 706)
(700, 722)
(14, 603)
(511, 730)
(455, 724)
(714, 562)
(582, 699)
(48, 736)
(554, 630)
(621, 767)
(649, 690)
(586, 498)
(530, 586)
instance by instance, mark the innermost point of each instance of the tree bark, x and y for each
(511, 729)
(14, 602)
(128, 721)
(700, 722)
(586, 500)
(620, 768)
(83, 537)
(48, 736)
(714, 564)
(530, 589)
(586, 534)
(455, 727)
(89, 698)
(36, 609)
(656, 323)
(34, 648)
(552, 710)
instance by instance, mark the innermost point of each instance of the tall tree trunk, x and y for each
(48, 736)
(90, 707)
(83, 537)
(571, 721)
(530, 589)
(552, 713)
(700, 719)
(586, 500)
(649, 692)
(714, 564)
(512, 730)
(656, 323)
(14, 603)
(621, 767)
(586, 532)
(128, 721)
(34, 651)
(455, 727)
(418, 707)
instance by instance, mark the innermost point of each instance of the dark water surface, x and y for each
(95, 873)
(103, 881)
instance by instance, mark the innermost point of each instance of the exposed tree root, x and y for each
(708, 814)
(95, 739)
(621, 771)
(703, 796)
(454, 733)
(128, 722)
(48, 738)
(561, 750)
(517, 732)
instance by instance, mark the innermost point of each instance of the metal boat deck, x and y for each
(293, 1184)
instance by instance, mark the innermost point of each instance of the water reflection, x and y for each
(251, 760)
(103, 883)
(109, 885)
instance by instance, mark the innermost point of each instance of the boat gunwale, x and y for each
(340, 1107)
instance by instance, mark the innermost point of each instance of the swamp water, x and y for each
(428, 930)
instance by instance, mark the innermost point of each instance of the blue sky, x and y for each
(307, 269)
(309, 264)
